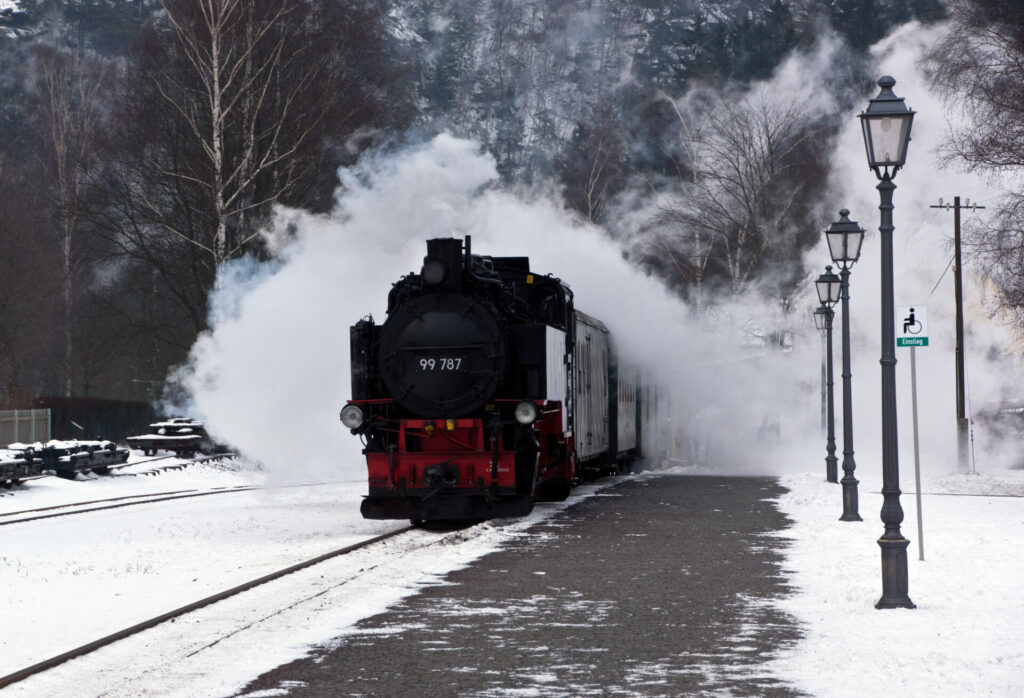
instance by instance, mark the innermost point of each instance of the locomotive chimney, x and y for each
(442, 267)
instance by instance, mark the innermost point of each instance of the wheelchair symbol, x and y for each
(911, 325)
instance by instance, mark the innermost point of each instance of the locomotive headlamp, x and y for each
(352, 416)
(434, 272)
(527, 412)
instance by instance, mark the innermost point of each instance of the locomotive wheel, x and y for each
(101, 469)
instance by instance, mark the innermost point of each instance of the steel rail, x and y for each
(164, 468)
(54, 515)
(7, 514)
(155, 497)
(153, 622)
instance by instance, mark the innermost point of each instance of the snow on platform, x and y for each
(70, 580)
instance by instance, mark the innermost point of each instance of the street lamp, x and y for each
(819, 314)
(828, 286)
(886, 125)
(819, 324)
(844, 240)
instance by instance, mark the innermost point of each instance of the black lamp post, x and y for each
(819, 324)
(844, 240)
(886, 125)
(828, 286)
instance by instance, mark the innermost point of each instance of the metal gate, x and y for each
(24, 426)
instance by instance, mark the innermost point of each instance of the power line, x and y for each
(941, 277)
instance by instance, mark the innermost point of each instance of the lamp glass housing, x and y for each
(886, 137)
(819, 317)
(352, 416)
(527, 412)
(844, 245)
(886, 128)
(844, 240)
(828, 286)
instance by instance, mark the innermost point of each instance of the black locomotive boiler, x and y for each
(484, 391)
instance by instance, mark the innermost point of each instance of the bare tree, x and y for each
(592, 166)
(979, 66)
(234, 59)
(593, 190)
(253, 85)
(745, 169)
(688, 246)
(225, 108)
(70, 109)
(29, 284)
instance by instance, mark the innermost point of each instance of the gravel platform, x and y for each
(654, 587)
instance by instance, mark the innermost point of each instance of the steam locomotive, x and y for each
(484, 391)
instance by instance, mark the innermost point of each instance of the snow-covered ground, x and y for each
(109, 570)
(73, 579)
(966, 636)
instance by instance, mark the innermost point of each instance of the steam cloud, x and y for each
(272, 374)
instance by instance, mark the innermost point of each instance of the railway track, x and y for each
(54, 661)
(109, 469)
(165, 468)
(58, 510)
(84, 508)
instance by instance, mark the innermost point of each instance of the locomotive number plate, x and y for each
(432, 364)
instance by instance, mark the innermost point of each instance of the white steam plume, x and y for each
(273, 372)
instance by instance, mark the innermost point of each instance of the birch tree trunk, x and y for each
(235, 52)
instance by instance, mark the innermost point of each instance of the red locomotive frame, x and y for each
(449, 468)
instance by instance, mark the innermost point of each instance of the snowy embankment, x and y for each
(966, 636)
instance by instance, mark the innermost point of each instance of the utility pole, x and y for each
(962, 443)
